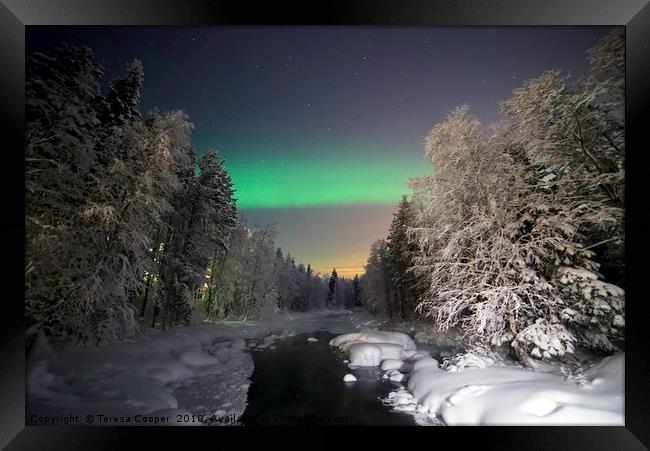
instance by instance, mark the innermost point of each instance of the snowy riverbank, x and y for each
(474, 389)
(187, 375)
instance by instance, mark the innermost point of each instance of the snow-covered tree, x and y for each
(494, 246)
(575, 133)
(60, 141)
(205, 215)
(97, 185)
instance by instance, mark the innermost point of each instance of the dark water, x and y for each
(301, 383)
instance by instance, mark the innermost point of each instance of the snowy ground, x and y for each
(200, 375)
(476, 388)
(188, 375)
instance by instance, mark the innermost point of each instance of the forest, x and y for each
(127, 226)
(516, 238)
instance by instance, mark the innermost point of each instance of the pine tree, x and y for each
(374, 283)
(122, 101)
(332, 299)
(400, 253)
(357, 290)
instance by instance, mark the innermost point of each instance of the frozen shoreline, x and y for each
(200, 372)
(473, 389)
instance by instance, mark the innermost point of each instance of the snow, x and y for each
(371, 348)
(391, 364)
(375, 337)
(143, 376)
(312, 339)
(474, 389)
(395, 376)
(349, 378)
(479, 388)
(364, 354)
(201, 369)
(426, 362)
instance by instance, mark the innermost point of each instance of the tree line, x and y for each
(517, 235)
(125, 222)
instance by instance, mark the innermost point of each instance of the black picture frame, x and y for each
(16, 14)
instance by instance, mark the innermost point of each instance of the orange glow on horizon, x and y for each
(345, 271)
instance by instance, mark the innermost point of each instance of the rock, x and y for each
(396, 376)
(391, 364)
(349, 378)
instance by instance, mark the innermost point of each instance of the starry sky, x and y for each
(320, 127)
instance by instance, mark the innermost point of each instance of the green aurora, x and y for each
(323, 179)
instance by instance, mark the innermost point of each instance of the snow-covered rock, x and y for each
(391, 364)
(426, 362)
(370, 348)
(349, 378)
(365, 354)
(396, 376)
(375, 337)
(420, 355)
(312, 340)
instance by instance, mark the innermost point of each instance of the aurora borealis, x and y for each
(320, 127)
(321, 181)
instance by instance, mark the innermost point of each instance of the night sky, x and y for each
(321, 126)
